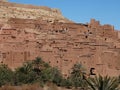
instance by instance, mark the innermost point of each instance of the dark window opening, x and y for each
(56, 31)
(13, 37)
(105, 39)
(90, 32)
(86, 36)
(92, 71)
(53, 41)
(76, 45)
(65, 50)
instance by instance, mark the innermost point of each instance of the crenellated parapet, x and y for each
(105, 30)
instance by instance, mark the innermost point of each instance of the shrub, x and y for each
(103, 83)
(6, 75)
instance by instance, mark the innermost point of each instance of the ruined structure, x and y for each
(56, 40)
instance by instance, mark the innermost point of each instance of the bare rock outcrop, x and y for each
(13, 10)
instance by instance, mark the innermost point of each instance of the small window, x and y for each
(76, 45)
(86, 36)
(105, 39)
(53, 41)
(56, 31)
(90, 32)
(13, 37)
(92, 71)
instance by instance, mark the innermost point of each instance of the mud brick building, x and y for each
(25, 35)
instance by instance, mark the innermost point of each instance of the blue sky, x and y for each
(81, 11)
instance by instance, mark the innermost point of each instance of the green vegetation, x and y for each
(37, 71)
(103, 83)
(77, 76)
(6, 75)
(25, 74)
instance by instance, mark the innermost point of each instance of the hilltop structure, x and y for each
(27, 32)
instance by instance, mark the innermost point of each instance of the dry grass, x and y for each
(24, 87)
(48, 86)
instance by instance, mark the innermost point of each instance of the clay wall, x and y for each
(61, 45)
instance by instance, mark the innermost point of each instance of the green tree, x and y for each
(77, 76)
(25, 74)
(6, 75)
(66, 83)
(46, 72)
(51, 74)
(56, 76)
(103, 83)
(39, 65)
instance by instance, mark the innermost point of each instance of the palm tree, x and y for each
(103, 83)
(39, 65)
(77, 76)
(25, 74)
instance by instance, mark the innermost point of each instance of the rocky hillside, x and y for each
(13, 10)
